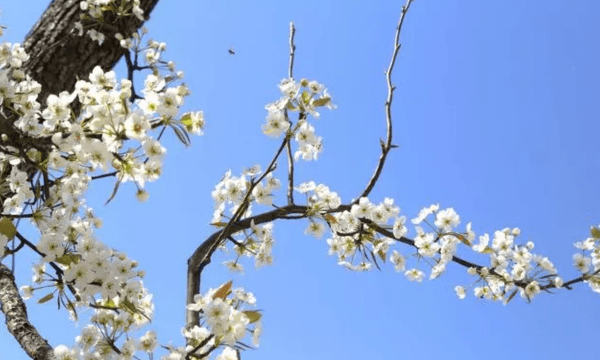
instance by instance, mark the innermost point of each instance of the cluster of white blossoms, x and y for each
(97, 10)
(225, 320)
(256, 243)
(303, 97)
(354, 238)
(239, 193)
(587, 261)
(47, 161)
(232, 192)
(358, 241)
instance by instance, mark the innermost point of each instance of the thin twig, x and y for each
(387, 145)
(59, 272)
(290, 190)
(292, 50)
(198, 347)
(131, 67)
(13, 216)
(105, 175)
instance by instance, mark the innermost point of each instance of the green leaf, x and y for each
(511, 296)
(305, 96)
(322, 101)
(68, 259)
(223, 291)
(116, 188)
(330, 218)
(252, 315)
(595, 232)
(182, 135)
(71, 307)
(186, 119)
(7, 228)
(46, 298)
(38, 190)
(488, 250)
(128, 305)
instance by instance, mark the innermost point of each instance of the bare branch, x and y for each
(292, 50)
(387, 145)
(290, 190)
(290, 158)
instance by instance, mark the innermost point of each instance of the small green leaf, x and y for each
(252, 315)
(510, 297)
(305, 96)
(322, 101)
(38, 190)
(595, 232)
(128, 305)
(186, 119)
(7, 228)
(330, 218)
(488, 250)
(218, 340)
(181, 134)
(68, 259)
(46, 298)
(71, 307)
(223, 291)
(115, 189)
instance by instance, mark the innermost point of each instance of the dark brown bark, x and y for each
(58, 58)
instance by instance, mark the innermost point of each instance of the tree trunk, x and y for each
(58, 58)
(16, 321)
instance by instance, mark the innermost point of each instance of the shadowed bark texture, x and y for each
(58, 58)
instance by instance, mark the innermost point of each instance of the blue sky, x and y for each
(495, 115)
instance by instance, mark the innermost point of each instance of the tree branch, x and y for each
(387, 145)
(17, 322)
(290, 190)
(202, 255)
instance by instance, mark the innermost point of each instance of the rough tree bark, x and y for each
(58, 57)
(17, 322)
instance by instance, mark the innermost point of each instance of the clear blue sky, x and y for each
(496, 114)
